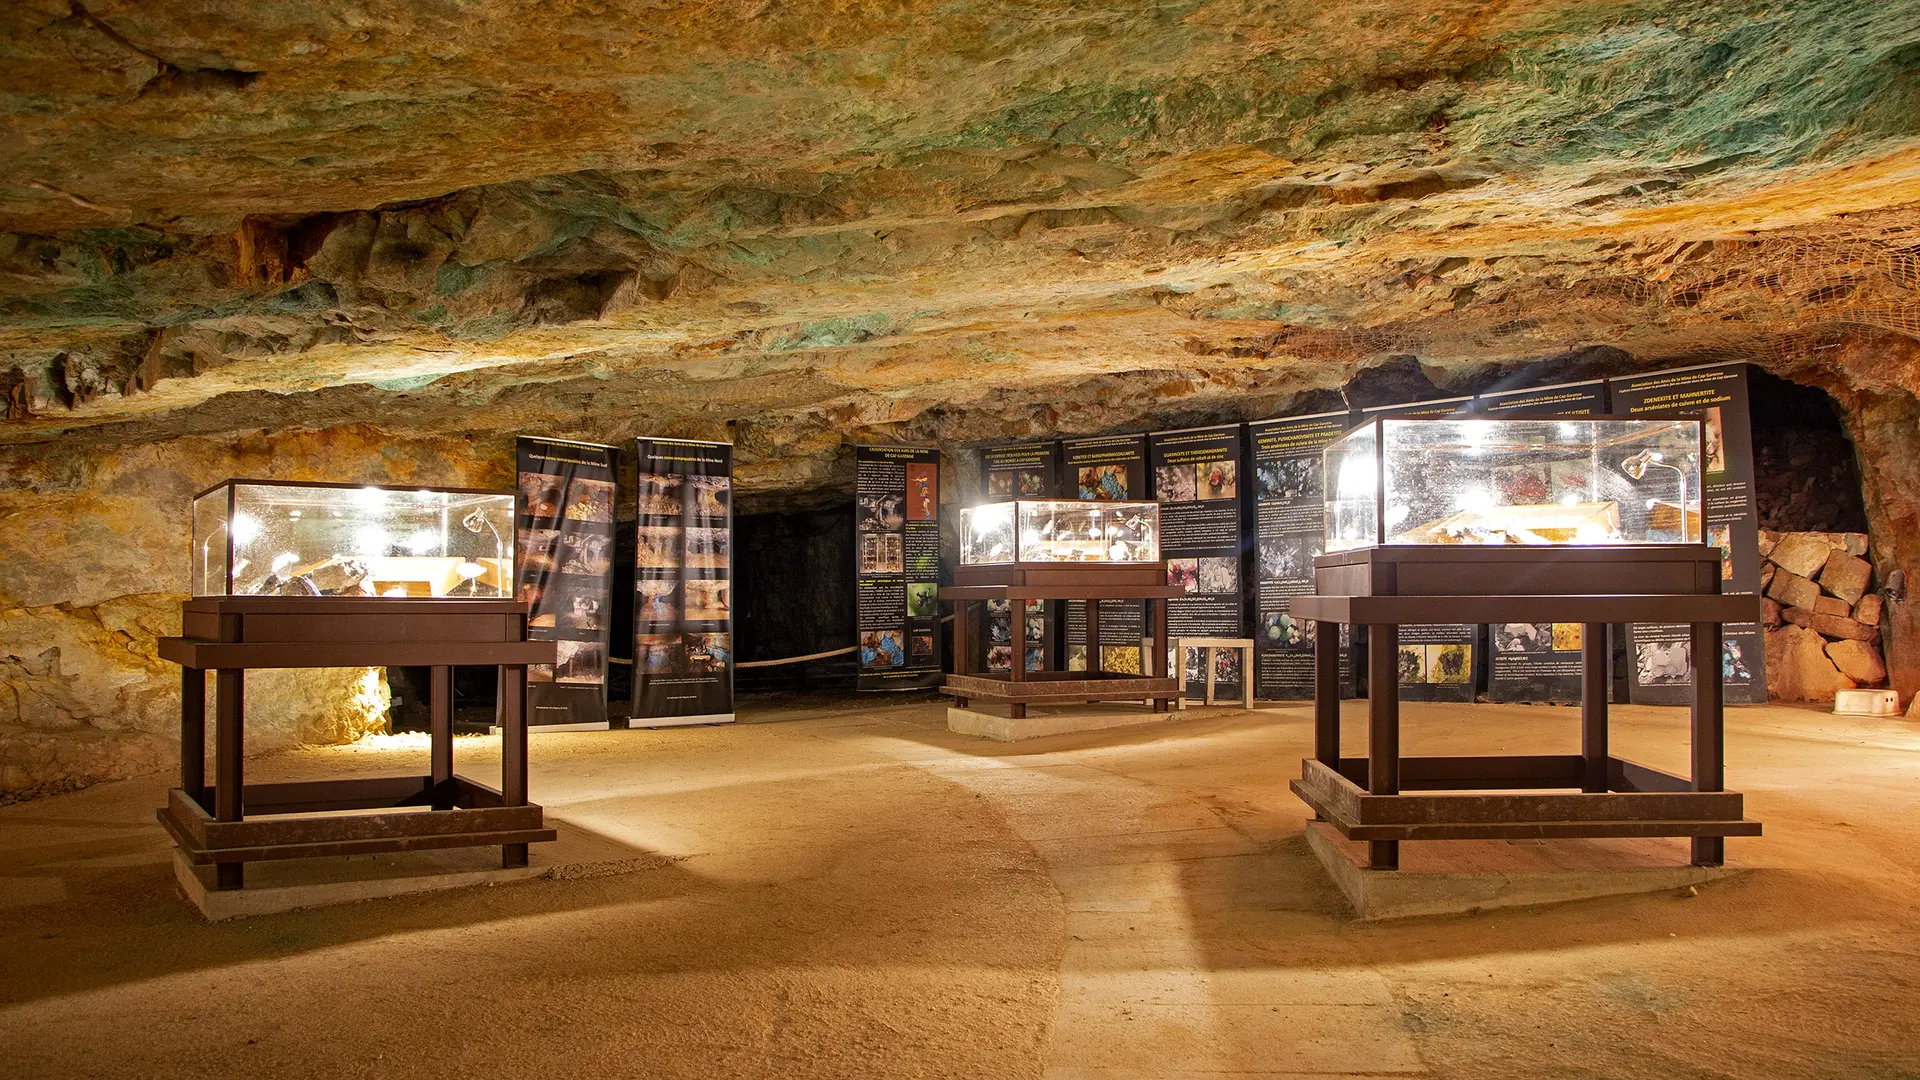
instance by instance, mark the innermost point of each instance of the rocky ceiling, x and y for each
(802, 223)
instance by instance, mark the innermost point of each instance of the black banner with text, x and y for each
(1110, 468)
(1659, 657)
(1196, 480)
(683, 584)
(897, 566)
(1021, 471)
(564, 556)
(1289, 520)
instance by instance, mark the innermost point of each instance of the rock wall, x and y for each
(1822, 615)
(93, 567)
(93, 534)
(283, 241)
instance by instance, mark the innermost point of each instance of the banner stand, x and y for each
(563, 554)
(683, 584)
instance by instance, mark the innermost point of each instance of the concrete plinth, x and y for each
(1451, 877)
(289, 884)
(1064, 719)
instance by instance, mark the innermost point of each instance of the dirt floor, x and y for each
(842, 888)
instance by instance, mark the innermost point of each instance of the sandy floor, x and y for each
(851, 891)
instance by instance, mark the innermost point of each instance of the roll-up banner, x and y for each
(1539, 663)
(682, 583)
(564, 569)
(1289, 520)
(1196, 480)
(1435, 662)
(1659, 657)
(897, 566)
(1022, 471)
(1106, 469)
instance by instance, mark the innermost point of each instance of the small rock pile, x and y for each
(1821, 613)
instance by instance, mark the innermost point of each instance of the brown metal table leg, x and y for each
(440, 733)
(1017, 663)
(1094, 662)
(1593, 707)
(1383, 739)
(1157, 663)
(229, 771)
(962, 656)
(193, 734)
(513, 755)
(1709, 733)
(1326, 694)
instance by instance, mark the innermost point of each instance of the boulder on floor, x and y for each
(1798, 668)
(1858, 661)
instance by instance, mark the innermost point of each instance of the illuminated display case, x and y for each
(1547, 482)
(1060, 531)
(280, 538)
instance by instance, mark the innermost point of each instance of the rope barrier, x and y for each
(797, 659)
(809, 656)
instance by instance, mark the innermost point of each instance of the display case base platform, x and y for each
(1479, 875)
(211, 824)
(295, 884)
(1087, 583)
(1043, 721)
(1590, 794)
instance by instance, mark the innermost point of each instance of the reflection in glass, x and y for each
(265, 538)
(1060, 531)
(1573, 480)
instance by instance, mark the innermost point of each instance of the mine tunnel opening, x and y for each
(794, 580)
(1806, 469)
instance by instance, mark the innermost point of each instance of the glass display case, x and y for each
(280, 538)
(1052, 531)
(1565, 480)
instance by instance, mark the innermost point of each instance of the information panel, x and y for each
(897, 566)
(1289, 516)
(1659, 657)
(682, 584)
(563, 556)
(1108, 469)
(1539, 662)
(1196, 480)
(1435, 662)
(1022, 471)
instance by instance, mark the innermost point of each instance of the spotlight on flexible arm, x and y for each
(1636, 469)
(473, 523)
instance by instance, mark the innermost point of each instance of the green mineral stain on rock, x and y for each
(832, 333)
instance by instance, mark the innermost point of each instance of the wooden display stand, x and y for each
(1241, 645)
(1089, 582)
(1386, 587)
(230, 634)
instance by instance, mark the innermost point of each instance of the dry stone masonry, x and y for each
(1822, 617)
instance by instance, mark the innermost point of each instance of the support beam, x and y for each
(513, 754)
(1383, 730)
(440, 729)
(1709, 732)
(1326, 693)
(229, 755)
(1593, 706)
(193, 734)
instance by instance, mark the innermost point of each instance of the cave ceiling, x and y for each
(796, 224)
